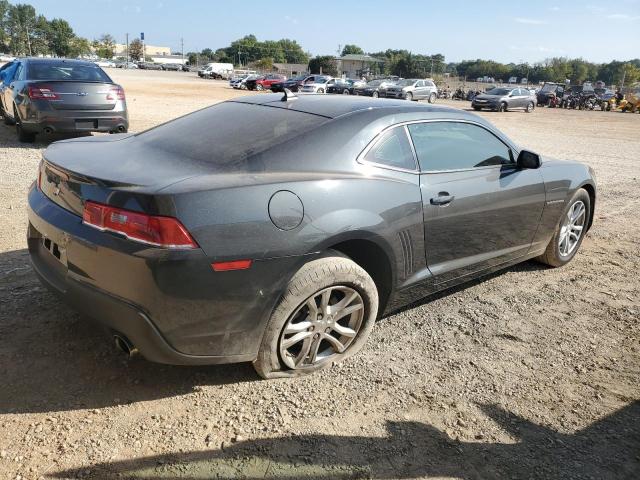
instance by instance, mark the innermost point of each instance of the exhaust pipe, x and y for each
(123, 344)
(47, 130)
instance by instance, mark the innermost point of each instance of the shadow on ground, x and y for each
(609, 448)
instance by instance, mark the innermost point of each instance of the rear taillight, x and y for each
(116, 92)
(165, 232)
(42, 93)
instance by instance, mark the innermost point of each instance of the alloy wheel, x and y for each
(324, 326)
(572, 228)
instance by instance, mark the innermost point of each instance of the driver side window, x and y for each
(457, 146)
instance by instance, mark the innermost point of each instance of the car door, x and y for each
(418, 89)
(479, 209)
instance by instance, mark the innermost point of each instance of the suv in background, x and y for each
(412, 89)
(549, 89)
(264, 82)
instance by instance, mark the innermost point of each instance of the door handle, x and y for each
(442, 199)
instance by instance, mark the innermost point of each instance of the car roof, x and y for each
(59, 60)
(331, 106)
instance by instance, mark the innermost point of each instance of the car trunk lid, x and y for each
(66, 95)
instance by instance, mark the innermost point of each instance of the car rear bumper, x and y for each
(73, 121)
(170, 305)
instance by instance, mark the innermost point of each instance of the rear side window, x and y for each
(393, 150)
(66, 71)
(230, 135)
(455, 146)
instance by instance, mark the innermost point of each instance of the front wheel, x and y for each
(569, 232)
(375, 94)
(409, 96)
(259, 87)
(432, 98)
(346, 92)
(325, 316)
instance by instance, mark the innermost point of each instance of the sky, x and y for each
(460, 30)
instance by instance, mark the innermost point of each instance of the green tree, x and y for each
(351, 50)
(323, 64)
(265, 64)
(21, 20)
(135, 50)
(60, 37)
(79, 47)
(41, 36)
(5, 6)
(105, 46)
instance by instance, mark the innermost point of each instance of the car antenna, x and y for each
(288, 96)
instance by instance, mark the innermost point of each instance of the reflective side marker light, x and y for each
(233, 265)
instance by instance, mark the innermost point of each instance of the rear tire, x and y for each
(553, 255)
(502, 107)
(259, 87)
(529, 108)
(276, 359)
(375, 94)
(346, 92)
(320, 90)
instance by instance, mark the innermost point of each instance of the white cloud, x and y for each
(530, 21)
(623, 16)
(291, 19)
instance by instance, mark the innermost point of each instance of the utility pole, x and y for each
(126, 64)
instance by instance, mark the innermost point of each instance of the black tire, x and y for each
(409, 97)
(502, 107)
(530, 107)
(375, 94)
(320, 90)
(259, 87)
(432, 98)
(312, 278)
(24, 137)
(477, 109)
(346, 92)
(552, 255)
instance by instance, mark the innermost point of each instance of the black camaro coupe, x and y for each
(206, 240)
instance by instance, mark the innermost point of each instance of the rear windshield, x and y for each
(229, 134)
(66, 71)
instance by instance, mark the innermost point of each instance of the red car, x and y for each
(264, 82)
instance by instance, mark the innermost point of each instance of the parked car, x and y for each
(47, 95)
(174, 67)
(129, 65)
(344, 87)
(319, 84)
(105, 63)
(373, 88)
(149, 66)
(548, 90)
(206, 240)
(502, 99)
(413, 89)
(264, 82)
(292, 84)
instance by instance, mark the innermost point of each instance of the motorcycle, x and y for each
(458, 94)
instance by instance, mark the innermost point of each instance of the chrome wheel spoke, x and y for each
(335, 343)
(289, 342)
(313, 349)
(572, 228)
(347, 311)
(344, 331)
(324, 301)
(298, 327)
(304, 352)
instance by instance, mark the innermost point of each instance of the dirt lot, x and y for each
(530, 373)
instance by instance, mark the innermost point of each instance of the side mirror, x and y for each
(528, 159)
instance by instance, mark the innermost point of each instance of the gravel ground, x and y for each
(529, 373)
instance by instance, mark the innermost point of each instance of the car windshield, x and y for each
(499, 91)
(225, 135)
(66, 72)
(407, 83)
